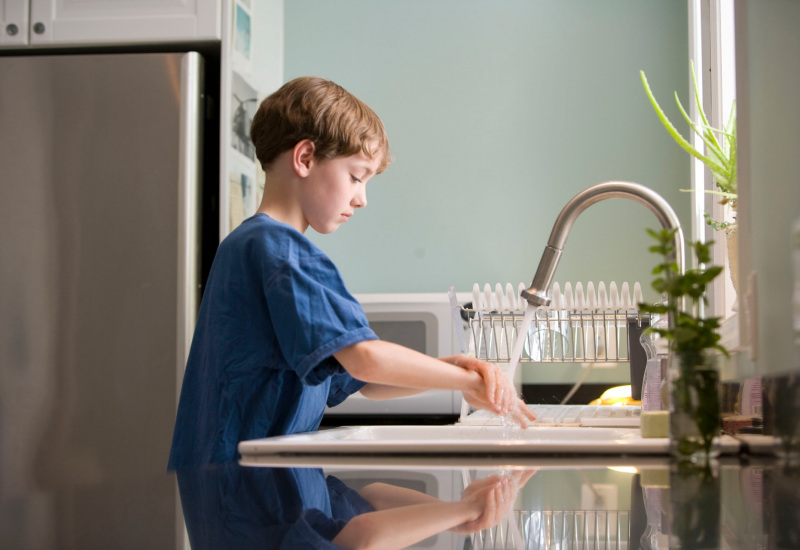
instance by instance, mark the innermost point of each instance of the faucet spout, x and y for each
(536, 294)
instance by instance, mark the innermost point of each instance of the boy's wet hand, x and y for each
(521, 414)
(491, 499)
(496, 393)
(507, 396)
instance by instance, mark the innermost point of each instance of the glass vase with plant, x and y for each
(695, 498)
(693, 343)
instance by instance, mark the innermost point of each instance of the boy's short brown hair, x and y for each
(313, 108)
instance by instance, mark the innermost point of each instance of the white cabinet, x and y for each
(96, 22)
(14, 17)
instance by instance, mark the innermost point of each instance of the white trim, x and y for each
(696, 31)
(711, 49)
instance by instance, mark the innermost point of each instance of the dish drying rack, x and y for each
(580, 326)
(529, 529)
(562, 529)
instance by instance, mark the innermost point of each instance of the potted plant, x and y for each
(719, 157)
(693, 343)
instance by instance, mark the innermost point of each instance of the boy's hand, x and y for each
(500, 395)
(494, 392)
(490, 499)
(521, 414)
(493, 498)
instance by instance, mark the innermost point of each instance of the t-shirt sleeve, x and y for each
(342, 385)
(346, 503)
(314, 316)
(313, 529)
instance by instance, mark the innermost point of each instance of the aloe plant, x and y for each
(720, 145)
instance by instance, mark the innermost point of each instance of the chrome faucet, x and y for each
(536, 294)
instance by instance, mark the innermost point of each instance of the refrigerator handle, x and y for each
(191, 132)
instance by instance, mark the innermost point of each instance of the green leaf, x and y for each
(673, 267)
(688, 334)
(720, 154)
(716, 158)
(713, 159)
(703, 252)
(679, 139)
(711, 273)
(654, 308)
(697, 95)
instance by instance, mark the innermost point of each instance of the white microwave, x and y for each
(425, 322)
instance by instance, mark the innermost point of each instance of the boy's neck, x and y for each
(282, 208)
(280, 201)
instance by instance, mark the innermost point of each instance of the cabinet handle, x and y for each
(38, 28)
(12, 29)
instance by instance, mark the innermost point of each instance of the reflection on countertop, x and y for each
(542, 502)
(523, 504)
(77, 488)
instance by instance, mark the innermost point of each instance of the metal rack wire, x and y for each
(554, 336)
(563, 530)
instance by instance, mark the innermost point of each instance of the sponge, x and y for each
(655, 424)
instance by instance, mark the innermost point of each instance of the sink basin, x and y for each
(464, 440)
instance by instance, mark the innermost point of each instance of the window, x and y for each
(712, 50)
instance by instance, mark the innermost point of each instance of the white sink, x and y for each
(464, 440)
(491, 434)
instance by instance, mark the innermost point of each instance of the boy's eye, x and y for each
(355, 179)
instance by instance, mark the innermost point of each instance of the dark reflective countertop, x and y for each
(426, 502)
(547, 503)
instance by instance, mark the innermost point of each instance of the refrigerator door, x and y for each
(98, 292)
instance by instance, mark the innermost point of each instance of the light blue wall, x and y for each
(268, 19)
(498, 112)
(768, 117)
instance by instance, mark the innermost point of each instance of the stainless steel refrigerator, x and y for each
(100, 177)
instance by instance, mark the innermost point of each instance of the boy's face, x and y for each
(334, 189)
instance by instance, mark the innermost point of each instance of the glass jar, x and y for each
(695, 420)
(695, 501)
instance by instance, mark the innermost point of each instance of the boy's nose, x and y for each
(360, 199)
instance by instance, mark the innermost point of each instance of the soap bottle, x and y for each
(655, 491)
(655, 370)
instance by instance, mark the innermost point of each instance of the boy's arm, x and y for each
(404, 517)
(405, 526)
(386, 364)
(381, 392)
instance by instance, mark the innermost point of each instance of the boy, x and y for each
(278, 336)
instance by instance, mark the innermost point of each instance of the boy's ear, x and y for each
(303, 157)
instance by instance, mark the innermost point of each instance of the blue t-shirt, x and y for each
(274, 312)
(228, 506)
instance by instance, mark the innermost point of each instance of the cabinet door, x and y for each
(13, 22)
(84, 22)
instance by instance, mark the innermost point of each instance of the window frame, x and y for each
(711, 48)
